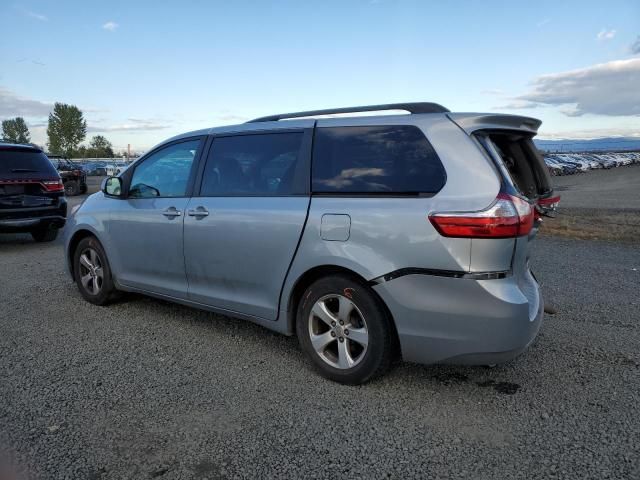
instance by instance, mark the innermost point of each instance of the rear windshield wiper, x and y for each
(23, 170)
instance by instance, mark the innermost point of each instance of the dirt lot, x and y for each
(147, 389)
(599, 205)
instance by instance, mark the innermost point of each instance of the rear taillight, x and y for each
(509, 216)
(53, 185)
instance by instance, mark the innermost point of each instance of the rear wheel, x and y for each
(71, 188)
(92, 272)
(344, 330)
(46, 234)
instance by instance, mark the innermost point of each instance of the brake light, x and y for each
(509, 216)
(53, 185)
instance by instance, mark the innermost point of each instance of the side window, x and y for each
(258, 164)
(164, 173)
(382, 159)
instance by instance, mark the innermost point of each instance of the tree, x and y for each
(67, 128)
(15, 130)
(100, 147)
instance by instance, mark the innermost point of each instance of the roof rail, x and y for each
(420, 107)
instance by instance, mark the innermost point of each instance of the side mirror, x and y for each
(112, 187)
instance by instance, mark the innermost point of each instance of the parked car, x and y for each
(406, 234)
(73, 176)
(95, 168)
(31, 193)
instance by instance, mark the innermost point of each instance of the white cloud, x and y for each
(12, 105)
(605, 34)
(492, 91)
(37, 16)
(542, 23)
(110, 26)
(604, 89)
(132, 125)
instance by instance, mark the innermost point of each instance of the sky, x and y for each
(143, 71)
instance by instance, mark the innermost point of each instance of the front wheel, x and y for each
(344, 330)
(92, 272)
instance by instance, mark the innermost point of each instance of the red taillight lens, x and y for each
(507, 217)
(53, 185)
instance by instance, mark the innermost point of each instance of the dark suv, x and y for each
(31, 193)
(73, 177)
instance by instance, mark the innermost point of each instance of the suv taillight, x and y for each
(508, 216)
(53, 185)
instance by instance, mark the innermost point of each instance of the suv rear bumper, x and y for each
(16, 225)
(28, 219)
(463, 321)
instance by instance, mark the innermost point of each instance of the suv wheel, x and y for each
(71, 188)
(344, 330)
(92, 272)
(46, 234)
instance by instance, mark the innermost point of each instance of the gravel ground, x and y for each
(147, 389)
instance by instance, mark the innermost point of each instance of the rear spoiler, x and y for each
(470, 122)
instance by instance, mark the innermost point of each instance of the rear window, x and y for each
(16, 162)
(394, 159)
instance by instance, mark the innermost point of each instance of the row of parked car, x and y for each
(74, 173)
(570, 163)
(102, 168)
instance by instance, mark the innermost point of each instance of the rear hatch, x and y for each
(508, 141)
(28, 180)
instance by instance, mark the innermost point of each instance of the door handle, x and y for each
(171, 212)
(198, 212)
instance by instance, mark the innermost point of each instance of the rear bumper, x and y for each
(463, 321)
(16, 225)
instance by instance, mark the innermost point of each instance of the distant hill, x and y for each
(574, 145)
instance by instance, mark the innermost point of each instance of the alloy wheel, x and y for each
(338, 331)
(91, 272)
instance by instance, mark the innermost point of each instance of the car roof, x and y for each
(469, 122)
(18, 146)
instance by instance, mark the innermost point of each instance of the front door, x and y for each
(146, 228)
(242, 231)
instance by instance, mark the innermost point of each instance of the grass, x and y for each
(615, 225)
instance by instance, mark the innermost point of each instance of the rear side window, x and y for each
(394, 159)
(253, 165)
(16, 162)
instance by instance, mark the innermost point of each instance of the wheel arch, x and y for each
(320, 271)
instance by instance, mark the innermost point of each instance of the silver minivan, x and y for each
(369, 237)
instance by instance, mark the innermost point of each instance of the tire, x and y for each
(93, 274)
(46, 234)
(71, 188)
(356, 351)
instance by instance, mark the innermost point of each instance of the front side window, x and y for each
(392, 159)
(165, 173)
(254, 165)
